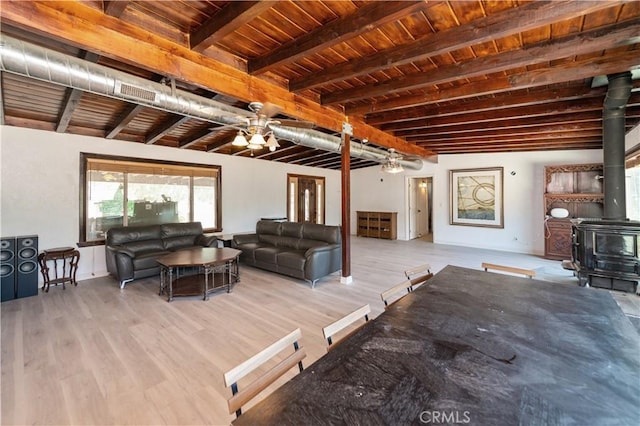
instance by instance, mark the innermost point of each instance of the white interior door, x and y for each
(413, 209)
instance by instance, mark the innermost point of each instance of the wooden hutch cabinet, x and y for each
(577, 188)
(377, 225)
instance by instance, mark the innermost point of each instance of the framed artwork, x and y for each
(477, 197)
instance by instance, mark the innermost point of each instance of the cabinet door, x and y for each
(558, 239)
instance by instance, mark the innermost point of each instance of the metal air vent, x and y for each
(135, 92)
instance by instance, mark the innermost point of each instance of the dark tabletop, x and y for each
(479, 348)
(199, 256)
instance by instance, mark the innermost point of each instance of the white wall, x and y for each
(40, 187)
(40, 194)
(523, 205)
(632, 139)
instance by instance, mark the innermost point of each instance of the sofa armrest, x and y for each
(245, 239)
(321, 249)
(121, 249)
(322, 260)
(207, 240)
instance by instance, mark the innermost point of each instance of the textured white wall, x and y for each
(40, 187)
(523, 205)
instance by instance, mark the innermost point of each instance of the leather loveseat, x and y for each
(131, 251)
(301, 250)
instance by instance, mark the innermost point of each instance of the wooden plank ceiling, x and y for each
(423, 77)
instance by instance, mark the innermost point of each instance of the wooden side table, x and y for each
(63, 261)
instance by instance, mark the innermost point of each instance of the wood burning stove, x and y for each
(606, 254)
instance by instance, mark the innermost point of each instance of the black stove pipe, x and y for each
(613, 132)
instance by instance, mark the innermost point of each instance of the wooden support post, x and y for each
(346, 203)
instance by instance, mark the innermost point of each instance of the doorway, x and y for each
(305, 198)
(420, 208)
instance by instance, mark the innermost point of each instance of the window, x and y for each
(305, 198)
(119, 191)
(632, 172)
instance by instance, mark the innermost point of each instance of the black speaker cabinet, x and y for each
(8, 268)
(27, 266)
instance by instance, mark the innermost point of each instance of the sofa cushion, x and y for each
(329, 234)
(292, 259)
(140, 248)
(175, 243)
(268, 227)
(291, 229)
(267, 254)
(269, 239)
(307, 244)
(170, 230)
(288, 242)
(125, 235)
(148, 260)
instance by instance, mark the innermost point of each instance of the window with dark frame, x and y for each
(121, 191)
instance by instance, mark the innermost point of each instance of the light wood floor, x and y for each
(95, 354)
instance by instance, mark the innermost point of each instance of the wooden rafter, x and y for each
(526, 97)
(583, 69)
(516, 20)
(72, 98)
(88, 28)
(160, 131)
(115, 8)
(576, 44)
(231, 17)
(331, 33)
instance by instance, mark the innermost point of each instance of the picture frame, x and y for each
(476, 197)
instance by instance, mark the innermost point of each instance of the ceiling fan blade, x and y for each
(269, 110)
(297, 123)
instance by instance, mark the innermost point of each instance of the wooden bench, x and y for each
(522, 271)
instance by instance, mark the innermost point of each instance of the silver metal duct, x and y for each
(319, 140)
(29, 60)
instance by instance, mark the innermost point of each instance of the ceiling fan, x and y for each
(258, 127)
(392, 162)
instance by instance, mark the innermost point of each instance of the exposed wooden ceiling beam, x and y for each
(524, 138)
(409, 101)
(547, 146)
(552, 108)
(72, 97)
(614, 62)
(234, 15)
(159, 131)
(195, 137)
(86, 27)
(361, 21)
(130, 112)
(286, 154)
(508, 132)
(582, 43)
(632, 113)
(115, 8)
(511, 99)
(516, 20)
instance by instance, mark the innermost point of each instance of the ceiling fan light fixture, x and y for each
(391, 164)
(240, 140)
(257, 139)
(392, 167)
(272, 143)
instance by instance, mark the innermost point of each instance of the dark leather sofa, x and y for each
(301, 250)
(131, 251)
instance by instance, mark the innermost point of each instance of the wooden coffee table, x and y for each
(200, 270)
